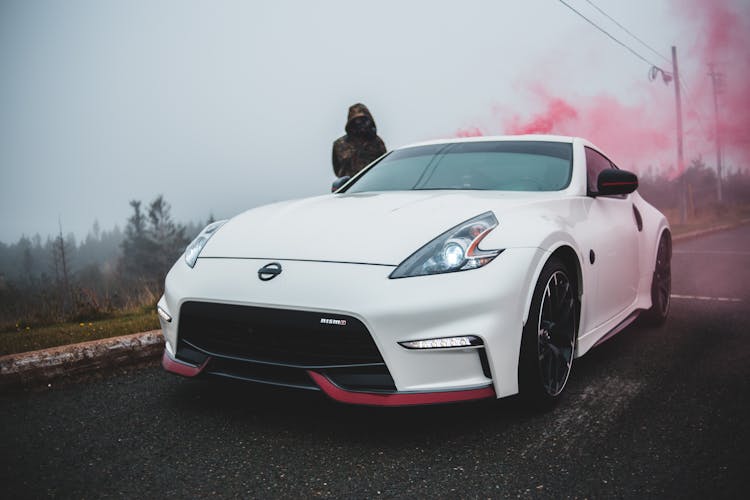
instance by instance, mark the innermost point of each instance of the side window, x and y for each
(595, 163)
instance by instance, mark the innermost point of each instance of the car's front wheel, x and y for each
(548, 340)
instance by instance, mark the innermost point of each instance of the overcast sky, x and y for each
(221, 106)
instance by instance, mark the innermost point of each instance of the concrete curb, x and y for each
(44, 366)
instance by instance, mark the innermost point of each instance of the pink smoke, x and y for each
(643, 134)
(725, 43)
(617, 128)
(557, 114)
(469, 132)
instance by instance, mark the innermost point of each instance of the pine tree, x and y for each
(61, 256)
(168, 238)
(136, 247)
(152, 243)
(28, 261)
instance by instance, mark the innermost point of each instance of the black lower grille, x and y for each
(376, 378)
(299, 338)
(277, 346)
(262, 373)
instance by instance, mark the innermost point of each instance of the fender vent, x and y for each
(638, 219)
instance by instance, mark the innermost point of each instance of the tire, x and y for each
(549, 336)
(661, 283)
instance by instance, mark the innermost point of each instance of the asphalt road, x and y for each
(651, 413)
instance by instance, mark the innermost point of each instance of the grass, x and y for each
(26, 338)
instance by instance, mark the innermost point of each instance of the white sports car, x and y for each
(445, 271)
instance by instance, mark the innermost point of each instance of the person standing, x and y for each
(361, 144)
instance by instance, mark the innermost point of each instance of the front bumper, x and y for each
(487, 303)
(332, 390)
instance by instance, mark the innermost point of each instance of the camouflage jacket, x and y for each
(359, 147)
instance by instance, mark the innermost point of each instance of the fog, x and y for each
(222, 106)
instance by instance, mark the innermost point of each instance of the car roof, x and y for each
(491, 138)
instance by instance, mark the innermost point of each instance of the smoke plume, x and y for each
(644, 134)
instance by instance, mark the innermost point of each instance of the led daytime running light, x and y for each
(444, 343)
(164, 315)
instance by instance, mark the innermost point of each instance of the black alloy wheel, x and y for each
(661, 283)
(549, 336)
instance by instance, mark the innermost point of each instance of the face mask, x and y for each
(361, 126)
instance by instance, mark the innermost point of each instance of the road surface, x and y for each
(651, 413)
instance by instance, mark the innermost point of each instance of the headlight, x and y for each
(455, 250)
(195, 247)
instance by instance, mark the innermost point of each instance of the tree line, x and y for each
(61, 279)
(699, 181)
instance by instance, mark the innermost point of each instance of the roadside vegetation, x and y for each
(728, 216)
(24, 338)
(60, 291)
(702, 206)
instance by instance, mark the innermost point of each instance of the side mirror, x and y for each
(613, 181)
(339, 182)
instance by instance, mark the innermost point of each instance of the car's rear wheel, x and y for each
(548, 340)
(661, 283)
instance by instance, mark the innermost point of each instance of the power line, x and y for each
(628, 31)
(682, 80)
(655, 69)
(612, 37)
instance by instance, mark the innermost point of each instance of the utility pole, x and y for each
(718, 84)
(680, 155)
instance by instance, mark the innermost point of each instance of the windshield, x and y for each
(498, 165)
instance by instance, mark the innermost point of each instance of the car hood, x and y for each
(369, 228)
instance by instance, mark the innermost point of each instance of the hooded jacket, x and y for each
(360, 146)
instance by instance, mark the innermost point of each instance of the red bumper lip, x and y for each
(353, 397)
(172, 365)
(397, 399)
